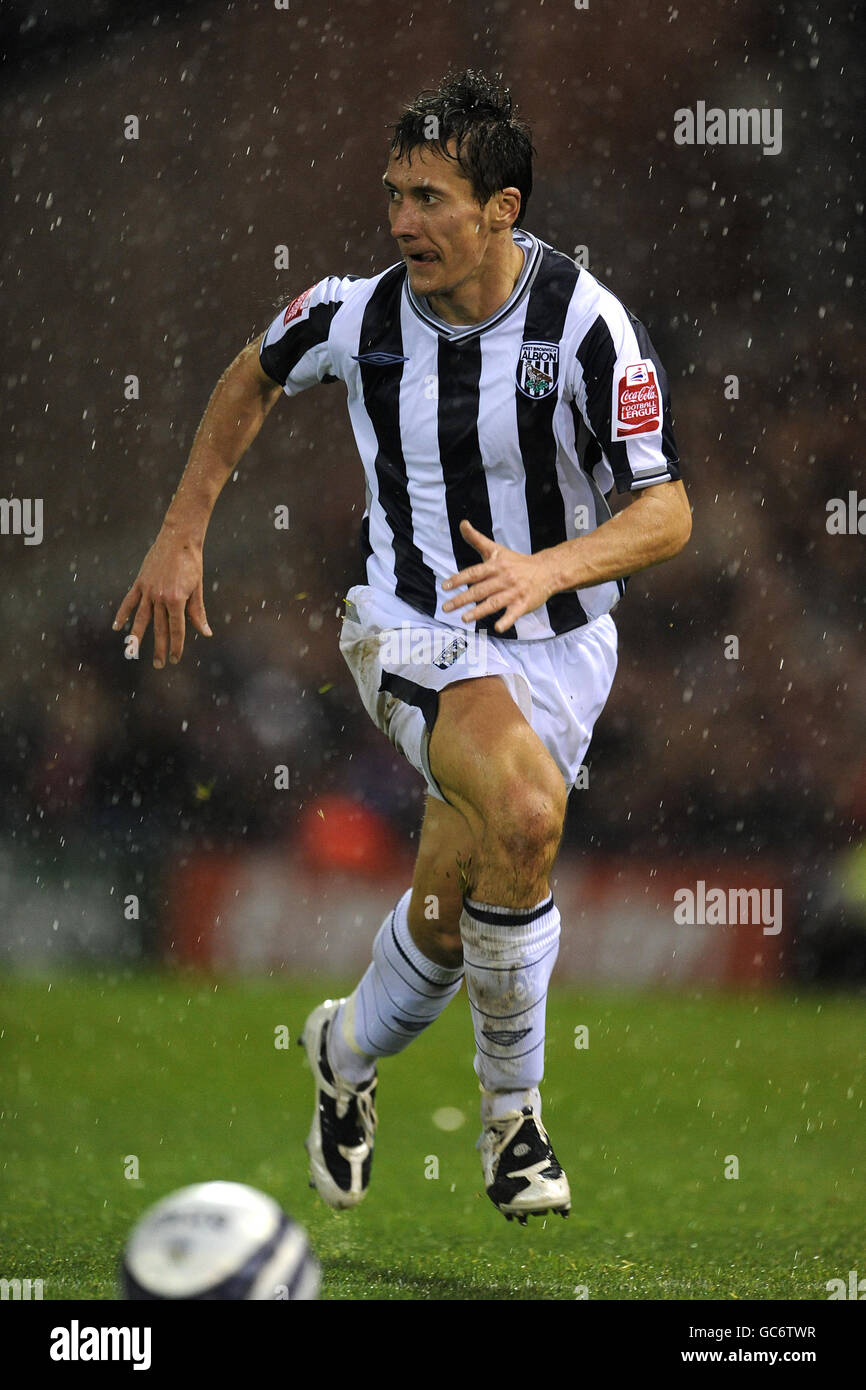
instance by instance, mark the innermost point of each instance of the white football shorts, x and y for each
(401, 659)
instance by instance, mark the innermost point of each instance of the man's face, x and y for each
(436, 220)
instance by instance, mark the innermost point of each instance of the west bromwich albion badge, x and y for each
(538, 369)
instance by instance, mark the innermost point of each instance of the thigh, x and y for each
(485, 755)
(403, 663)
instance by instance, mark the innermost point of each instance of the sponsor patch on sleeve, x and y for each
(297, 306)
(637, 404)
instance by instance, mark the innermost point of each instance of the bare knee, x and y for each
(520, 830)
(527, 821)
(521, 813)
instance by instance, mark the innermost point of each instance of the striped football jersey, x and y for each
(521, 424)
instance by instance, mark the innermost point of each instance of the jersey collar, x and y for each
(460, 332)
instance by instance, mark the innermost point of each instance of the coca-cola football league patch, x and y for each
(297, 306)
(637, 403)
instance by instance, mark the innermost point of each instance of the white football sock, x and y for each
(401, 993)
(508, 956)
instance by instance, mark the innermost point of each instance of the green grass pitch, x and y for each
(184, 1074)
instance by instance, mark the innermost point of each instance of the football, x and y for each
(218, 1240)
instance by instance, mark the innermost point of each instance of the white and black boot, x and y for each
(340, 1142)
(521, 1173)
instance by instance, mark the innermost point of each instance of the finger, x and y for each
(494, 604)
(142, 620)
(510, 616)
(458, 601)
(197, 615)
(483, 544)
(477, 593)
(160, 635)
(463, 577)
(126, 608)
(472, 575)
(176, 631)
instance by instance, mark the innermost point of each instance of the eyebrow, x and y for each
(415, 188)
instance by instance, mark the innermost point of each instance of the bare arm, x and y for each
(169, 583)
(653, 527)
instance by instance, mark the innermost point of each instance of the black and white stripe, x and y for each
(400, 994)
(414, 579)
(445, 432)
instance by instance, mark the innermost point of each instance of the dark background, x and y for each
(155, 257)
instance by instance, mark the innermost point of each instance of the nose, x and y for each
(403, 221)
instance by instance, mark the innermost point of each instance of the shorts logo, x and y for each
(297, 306)
(455, 649)
(638, 404)
(538, 369)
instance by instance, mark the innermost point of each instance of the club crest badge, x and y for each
(538, 369)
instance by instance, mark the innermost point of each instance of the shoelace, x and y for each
(365, 1103)
(506, 1127)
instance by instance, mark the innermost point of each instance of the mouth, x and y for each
(421, 257)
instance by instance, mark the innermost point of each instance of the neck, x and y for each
(484, 291)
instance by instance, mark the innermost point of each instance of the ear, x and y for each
(506, 209)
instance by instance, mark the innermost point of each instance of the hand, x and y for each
(169, 585)
(505, 579)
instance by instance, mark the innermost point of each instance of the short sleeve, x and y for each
(621, 389)
(296, 351)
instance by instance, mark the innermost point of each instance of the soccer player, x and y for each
(497, 394)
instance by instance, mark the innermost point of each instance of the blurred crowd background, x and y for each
(262, 126)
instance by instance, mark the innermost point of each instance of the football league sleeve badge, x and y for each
(637, 407)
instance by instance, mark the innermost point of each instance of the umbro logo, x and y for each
(379, 359)
(505, 1037)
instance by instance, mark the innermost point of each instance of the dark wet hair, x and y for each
(494, 148)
